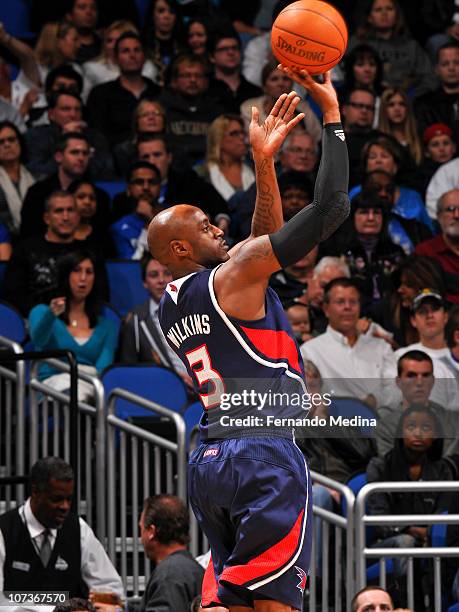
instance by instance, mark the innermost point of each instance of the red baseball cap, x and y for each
(435, 130)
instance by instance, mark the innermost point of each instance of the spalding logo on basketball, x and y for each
(309, 34)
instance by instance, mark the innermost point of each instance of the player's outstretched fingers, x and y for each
(290, 111)
(286, 104)
(276, 108)
(295, 121)
(255, 116)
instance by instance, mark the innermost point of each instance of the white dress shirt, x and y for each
(97, 570)
(351, 371)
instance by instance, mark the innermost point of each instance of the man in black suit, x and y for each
(141, 338)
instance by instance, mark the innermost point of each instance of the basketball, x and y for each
(309, 34)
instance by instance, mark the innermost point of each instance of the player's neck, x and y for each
(185, 268)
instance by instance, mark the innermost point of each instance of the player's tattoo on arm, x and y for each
(267, 217)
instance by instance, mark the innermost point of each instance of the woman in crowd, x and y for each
(104, 68)
(163, 34)
(15, 179)
(93, 225)
(396, 119)
(382, 25)
(385, 155)
(413, 275)
(417, 455)
(226, 149)
(197, 35)
(72, 321)
(148, 118)
(367, 248)
(57, 44)
(275, 82)
(363, 68)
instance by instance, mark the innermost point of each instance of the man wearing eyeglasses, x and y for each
(189, 108)
(358, 110)
(227, 85)
(445, 247)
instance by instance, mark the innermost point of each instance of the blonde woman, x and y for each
(396, 119)
(226, 150)
(104, 68)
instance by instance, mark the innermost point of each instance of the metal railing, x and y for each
(12, 420)
(341, 524)
(63, 426)
(362, 520)
(139, 463)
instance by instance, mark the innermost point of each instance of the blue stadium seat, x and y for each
(349, 407)
(2, 276)
(355, 483)
(142, 7)
(126, 286)
(111, 187)
(154, 383)
(12, 324)
(109, 311)
(454, 608)
(15, 16)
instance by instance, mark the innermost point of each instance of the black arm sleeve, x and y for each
(330, 207)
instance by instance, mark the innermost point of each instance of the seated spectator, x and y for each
(417, 454)
(149, 118)
(226, 150)
(429, 317)
(367, 248)
(444, 248)
(129, 234)
(105, 67)
(296, 191)
(276, 82)
(227, 85)
(5, 243)
(406, 64)
(141, 337)
(83, 14)
(298, 317)
(396, 119)
(21, 97)
(382, 154)
(59, 548)
(93, 225)
(179, 184)
(31, 276)
(363, 68)
(439, 149)
(359, 360)
(111, 104)
(415, 379)
(291, 282)
(394, 313)
(72, 156)
(162, 34)
(358, 113)
(372, 598)
(72, 321)
(65, 114)
(440, 105)
(177, 577)
(15, 179)
(189, 109)
(197, 36)
(299, 153)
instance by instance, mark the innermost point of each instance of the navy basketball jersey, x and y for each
(228, 357)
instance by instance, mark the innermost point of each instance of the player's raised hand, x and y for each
(323, 94)
(267, 138)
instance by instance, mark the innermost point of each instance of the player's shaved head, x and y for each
(176, 239)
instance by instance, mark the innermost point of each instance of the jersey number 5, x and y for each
(206, 374)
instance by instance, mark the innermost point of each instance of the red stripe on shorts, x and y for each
(209, 586)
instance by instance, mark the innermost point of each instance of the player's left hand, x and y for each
(266, 139)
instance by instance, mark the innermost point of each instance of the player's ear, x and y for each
(180, 248)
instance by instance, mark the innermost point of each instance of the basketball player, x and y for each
(249, 487)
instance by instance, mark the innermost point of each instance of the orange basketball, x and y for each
(309, 34)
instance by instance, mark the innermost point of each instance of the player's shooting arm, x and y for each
(267, 216)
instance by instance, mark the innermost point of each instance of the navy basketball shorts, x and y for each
(252, 498)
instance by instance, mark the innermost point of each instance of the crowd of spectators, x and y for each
(160, 104)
